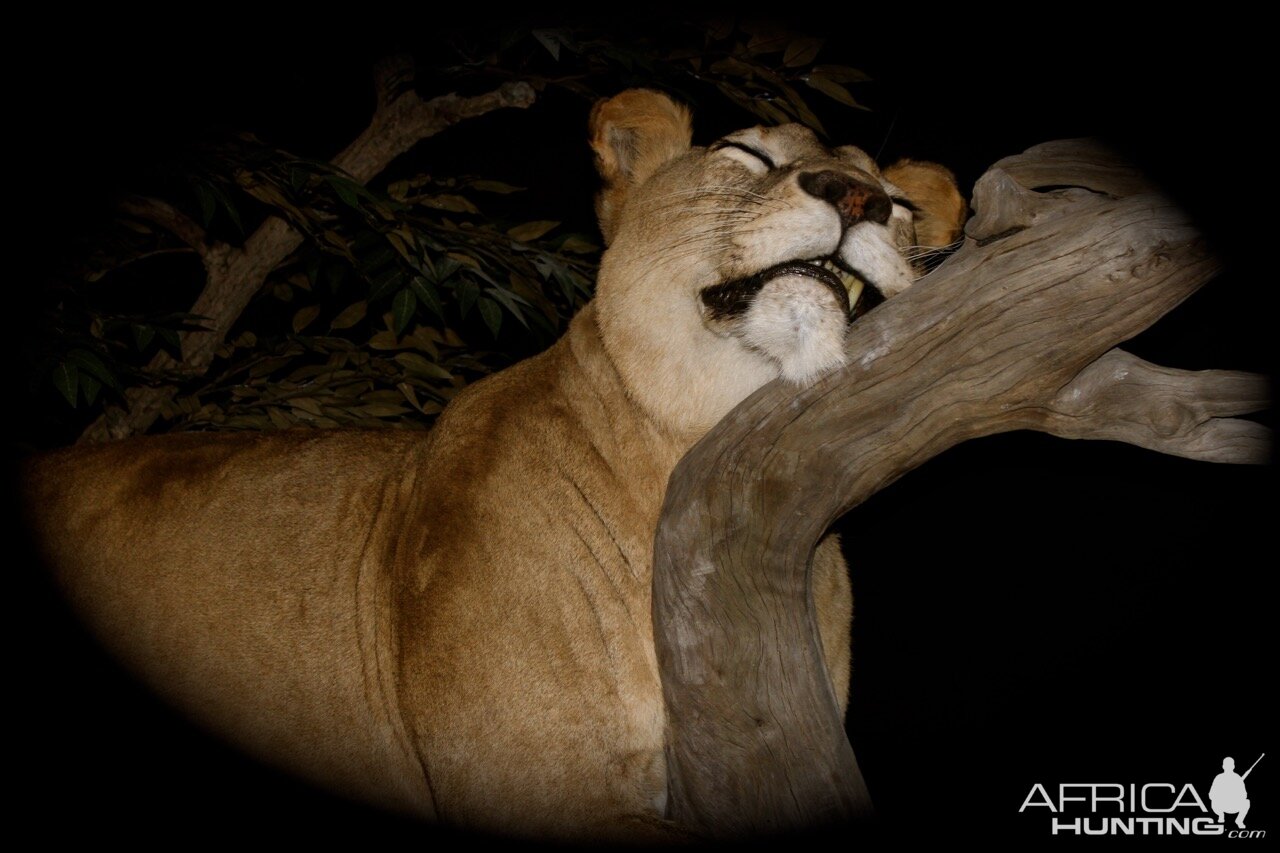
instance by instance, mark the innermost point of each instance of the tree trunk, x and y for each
(1016, 331)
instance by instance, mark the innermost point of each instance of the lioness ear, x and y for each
(633, 134)
(932, 188)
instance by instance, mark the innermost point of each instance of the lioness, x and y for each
(457, 625)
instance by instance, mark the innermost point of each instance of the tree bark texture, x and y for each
(1069, 254)
(234, 275)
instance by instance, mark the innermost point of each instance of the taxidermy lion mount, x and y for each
(457, 625)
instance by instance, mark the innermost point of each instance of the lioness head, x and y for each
(735, 263)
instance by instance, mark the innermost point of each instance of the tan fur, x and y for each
(454, 625)
(933, 188)
(633, 134)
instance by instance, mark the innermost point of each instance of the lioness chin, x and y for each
(458, 625)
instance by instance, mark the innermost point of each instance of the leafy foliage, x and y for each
(398, 298)
(759, 65)
(401, 293)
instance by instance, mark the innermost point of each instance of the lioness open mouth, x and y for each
(854, 293)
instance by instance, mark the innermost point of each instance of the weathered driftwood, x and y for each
(1014, 332)
(401, 119)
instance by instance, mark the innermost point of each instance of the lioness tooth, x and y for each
(855, 286)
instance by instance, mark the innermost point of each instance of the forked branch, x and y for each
(1070, 253)
(1180, 412)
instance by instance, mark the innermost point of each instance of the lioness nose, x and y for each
(853, 199)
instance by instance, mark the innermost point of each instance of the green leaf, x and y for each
(424, 338)
(380, 395)
(88, 362)
(279, 419)
(409, 394)
(491, 314)
(306, 404)
(254, 422)
(345, 190)
(766, 110)
(545, 266)
(382, 410)
(832, 89)
(387, 282)
(623, 57)
(402, 240)
(445, 267)
(171, 340)
(483, 275)
(310, 371)
(465, 259)
(768, 38)
(427, 295)
(305, 317)
(576, 244)
(268, 366)
(531, 230)
(446, 201)
(228, 206)
(208, 202)
(730, 65)
(352, 314)
(802, 110)
(403, 308)
(66, 379)
(466, 291)
(550, 39)
(384, 340)
(419, 365)
(89, 387)
(801, 51)
(487, 186)
(142, 335)
(376, 255)
(331, 276)
(719, 28)
(567, 284)
(509, 301)
(841, 73)
(337, 241)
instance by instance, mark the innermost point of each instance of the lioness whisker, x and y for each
(715, 190)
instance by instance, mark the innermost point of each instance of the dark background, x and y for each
(1027, 609)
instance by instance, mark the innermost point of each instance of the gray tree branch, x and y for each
(1016, 331)
(171, 219)
(1187, 413)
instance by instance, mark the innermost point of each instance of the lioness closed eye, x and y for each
(457, 625)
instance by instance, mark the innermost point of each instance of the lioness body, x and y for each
(457, 624)
(245, 580)
(321, 613)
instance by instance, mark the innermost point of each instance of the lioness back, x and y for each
(229, 566)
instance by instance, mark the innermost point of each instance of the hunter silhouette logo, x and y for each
(1151, 808)
(1228, 794)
